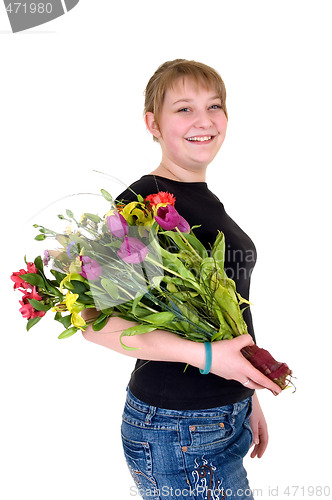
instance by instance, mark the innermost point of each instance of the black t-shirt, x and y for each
(165, 384)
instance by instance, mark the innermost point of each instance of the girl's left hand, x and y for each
(259, 429)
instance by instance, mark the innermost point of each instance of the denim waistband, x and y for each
(230, 409)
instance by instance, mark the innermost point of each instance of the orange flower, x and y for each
(161, 197)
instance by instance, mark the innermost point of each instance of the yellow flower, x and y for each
(75, 266)
(73, 307)
(136, 214)
(68, 278)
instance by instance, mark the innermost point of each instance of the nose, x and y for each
(203, 120)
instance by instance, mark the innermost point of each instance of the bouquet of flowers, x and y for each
(140, 261)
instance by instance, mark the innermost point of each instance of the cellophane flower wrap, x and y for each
(140, 261)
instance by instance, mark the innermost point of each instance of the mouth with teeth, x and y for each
(200, 139)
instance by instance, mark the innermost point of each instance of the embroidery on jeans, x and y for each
(206, 482)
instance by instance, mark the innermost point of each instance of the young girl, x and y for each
(185, 433)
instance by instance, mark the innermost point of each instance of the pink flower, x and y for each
(132, 250)
(18, 281)
(27, 310)
(91, 270)
(117, 225)
(169, 218)
(30, 295)
(31, 268)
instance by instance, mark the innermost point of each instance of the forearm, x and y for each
(159, 345)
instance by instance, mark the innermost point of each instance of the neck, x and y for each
(176, 173)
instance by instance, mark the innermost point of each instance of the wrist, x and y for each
(190, 352)
(208, 358)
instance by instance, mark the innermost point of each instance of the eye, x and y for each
(216, 106)
(183, 110)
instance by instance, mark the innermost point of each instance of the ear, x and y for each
(151, 124)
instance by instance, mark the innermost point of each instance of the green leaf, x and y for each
(39, 264)
(69, 213)
(68, 333)
(160, 318)
(40, 237)
(106, 195)
(76, 286)
(108, 311)
(100, 322)
(64, 320)
(32, 322)
(171, 262)
(135, 330)
(218, 250)
(110, 288)
(85, 299)
(40, 306)
(93, 217)
(58, 276)
(33, 279)
(185, 241)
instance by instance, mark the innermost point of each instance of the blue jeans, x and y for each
(194, 454)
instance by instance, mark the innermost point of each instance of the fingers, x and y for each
(261, 380)
(260, 443)
(256, 380)
(243, 340)
(250, 384)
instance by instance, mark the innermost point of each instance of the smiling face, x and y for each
(191, 127)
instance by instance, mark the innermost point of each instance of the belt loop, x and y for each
(150, 414)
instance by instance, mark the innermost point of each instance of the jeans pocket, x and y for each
(213, 433)
(139, 461)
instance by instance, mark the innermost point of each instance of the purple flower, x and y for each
(183, 225)
(69, 247)
(117, 225)
(91, 270)
(132, 250)
(46, 258)
(169, 218)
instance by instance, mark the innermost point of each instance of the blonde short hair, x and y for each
(169, 72)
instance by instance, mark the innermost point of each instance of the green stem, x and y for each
(163, 267)
(188, 244)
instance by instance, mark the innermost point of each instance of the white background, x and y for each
(71, 100)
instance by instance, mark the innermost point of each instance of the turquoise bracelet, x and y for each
(208, 358)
